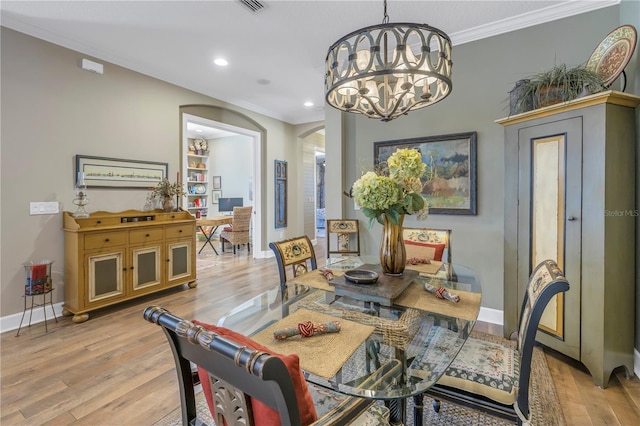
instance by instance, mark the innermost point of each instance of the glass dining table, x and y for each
(421, 327)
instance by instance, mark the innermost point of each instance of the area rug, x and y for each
(545, 407)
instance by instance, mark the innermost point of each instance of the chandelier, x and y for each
(384, 71)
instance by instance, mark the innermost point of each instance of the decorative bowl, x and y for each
(361, 276)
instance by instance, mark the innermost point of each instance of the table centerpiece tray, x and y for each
(383, 291)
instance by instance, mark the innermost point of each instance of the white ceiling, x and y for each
(276, 55)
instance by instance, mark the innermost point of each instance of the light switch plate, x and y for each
(44, 207)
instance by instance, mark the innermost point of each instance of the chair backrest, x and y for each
(434, 244)
(296, 253)
(545, 281)
(242, 218)
(240, 371)
(343, 237)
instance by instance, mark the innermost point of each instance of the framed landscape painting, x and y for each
(451, 169)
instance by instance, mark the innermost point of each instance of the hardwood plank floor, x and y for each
(116, 369)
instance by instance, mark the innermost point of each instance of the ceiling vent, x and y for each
(252, 5)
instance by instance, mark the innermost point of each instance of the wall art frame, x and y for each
(451, 167)
(216, 194)
(216, 182)
(107, 172)
(280, 185)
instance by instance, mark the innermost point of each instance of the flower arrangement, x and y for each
(394, 191)
(166, 189)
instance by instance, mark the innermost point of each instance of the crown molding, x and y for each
(530, 19)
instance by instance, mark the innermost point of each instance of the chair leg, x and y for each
(234, 248)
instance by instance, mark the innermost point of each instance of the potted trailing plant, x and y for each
(555, 85)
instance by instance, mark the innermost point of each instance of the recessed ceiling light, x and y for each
(221, 62)
(199, 130)
(308, 104)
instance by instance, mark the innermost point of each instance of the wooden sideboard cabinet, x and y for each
(112, 257)
(570, 173)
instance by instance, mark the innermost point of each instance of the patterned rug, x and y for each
(545, 408)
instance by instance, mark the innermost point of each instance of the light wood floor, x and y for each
(116, 369)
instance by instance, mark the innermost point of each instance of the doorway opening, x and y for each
(230, 168)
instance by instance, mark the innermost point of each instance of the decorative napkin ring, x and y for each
(327, 273)
(418, 261)
(442, 293)
(307, 329)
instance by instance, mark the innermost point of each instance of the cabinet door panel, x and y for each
(105, 277)
(549, 226)
(179, 265)
(146, 268)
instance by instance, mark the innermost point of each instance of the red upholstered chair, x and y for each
(429, 243)
(246, 384)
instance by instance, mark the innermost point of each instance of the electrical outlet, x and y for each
(43, 207)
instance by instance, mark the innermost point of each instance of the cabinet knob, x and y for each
(106, 240)
(571, 218)
(131, 268)
(147, 235)
(124, 269)
(168, 260)
(180, 231)
(99, 222)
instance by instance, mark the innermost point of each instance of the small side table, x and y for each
(38, 283)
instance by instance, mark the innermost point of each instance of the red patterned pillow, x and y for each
(228, 228)
(263, 414)
(424, 250)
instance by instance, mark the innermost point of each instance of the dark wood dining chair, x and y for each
(296, 254)
(493, 375)
(343, 237)
(247, 385)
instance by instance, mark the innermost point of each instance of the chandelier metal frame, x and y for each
(384, 71)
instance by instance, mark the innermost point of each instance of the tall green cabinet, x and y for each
(570, 196)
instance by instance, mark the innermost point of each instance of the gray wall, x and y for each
(483, 73)
(53, 110)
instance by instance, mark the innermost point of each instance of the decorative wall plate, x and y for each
(200, 189)
(613, 53)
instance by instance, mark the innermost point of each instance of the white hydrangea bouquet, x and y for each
(396, 190)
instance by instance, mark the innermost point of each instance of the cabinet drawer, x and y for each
(179, 231)
(143, 235)
(105, 239)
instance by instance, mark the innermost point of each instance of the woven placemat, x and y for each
(318, 354)
(429, 268)
(315, 279)
(415, 296)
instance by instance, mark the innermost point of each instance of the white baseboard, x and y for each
(492, 316)
(636, 362)
(12, 322)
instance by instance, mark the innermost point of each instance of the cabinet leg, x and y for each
(78, 318)
(66, 312)
(193, 284)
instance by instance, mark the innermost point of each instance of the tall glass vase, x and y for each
(393, 255)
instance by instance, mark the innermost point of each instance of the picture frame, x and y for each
(107, 172)
(216, 194)
(452, 169)
(216, 182)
